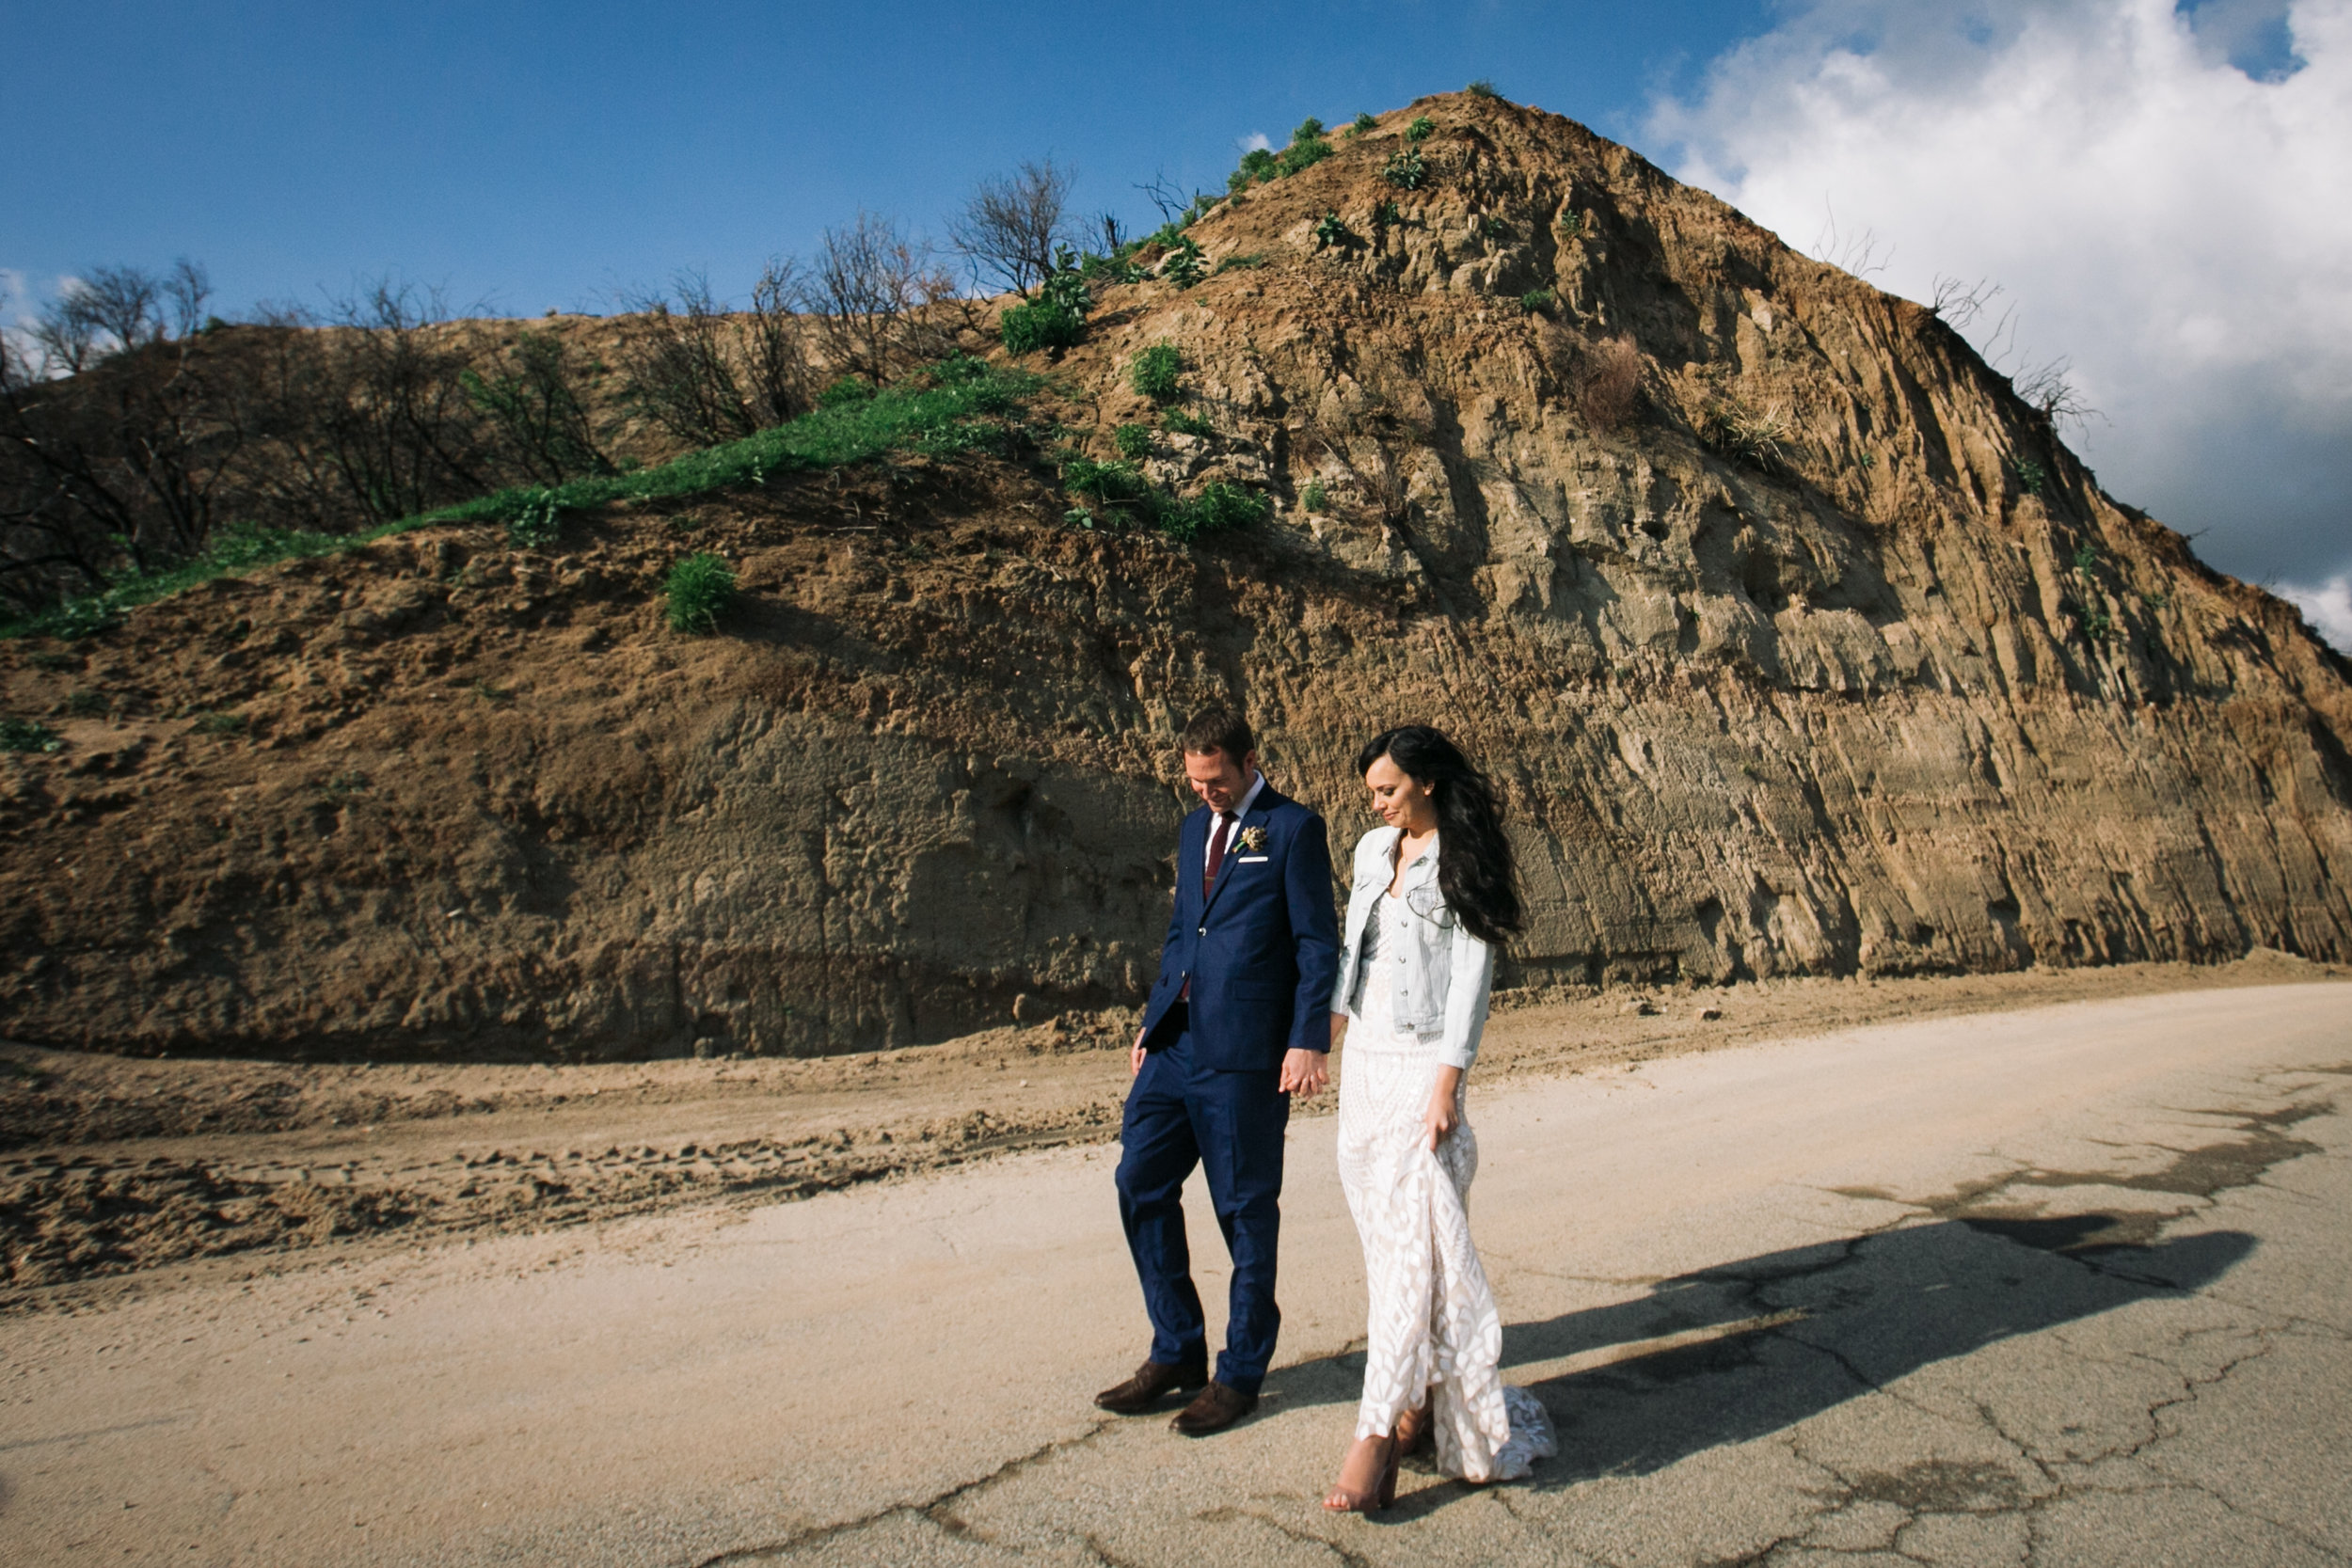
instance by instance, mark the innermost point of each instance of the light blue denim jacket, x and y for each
(1448, 971)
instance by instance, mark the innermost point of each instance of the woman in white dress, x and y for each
(1435, 894)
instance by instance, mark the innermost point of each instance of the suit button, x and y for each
(1204, 931)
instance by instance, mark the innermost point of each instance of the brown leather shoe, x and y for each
(1216, 1408)
(1153, 1379)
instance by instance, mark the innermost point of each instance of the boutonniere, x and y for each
(1253, 840)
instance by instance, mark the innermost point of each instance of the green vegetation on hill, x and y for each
(957, 405)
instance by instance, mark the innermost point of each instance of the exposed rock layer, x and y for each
(1825, 656)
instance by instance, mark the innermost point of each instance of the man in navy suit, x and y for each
(1239, 1022)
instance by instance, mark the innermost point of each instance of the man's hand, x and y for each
(1136, 1056)
(1305, 1072)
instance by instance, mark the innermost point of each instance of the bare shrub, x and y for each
(871, 290)
(1605, 382)
(1010, 229)
(387, 407)
(2050, 389)
(532, 394)
(117, 430)
(705, 376)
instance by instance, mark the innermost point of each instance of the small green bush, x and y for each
(700, 588)
(1314, 498)
(86, 703)
(1241, 263)
(29, 735)
(1572, 224)
(1422, 129)
(1027, 328)
(1182, 423)
(2031, 477)
(1494, 229)
(1360, 124)
(1330, 230)
(1388, 214)
(1220, 509)
(1133, 442)
(1537, 302)
(220, 725)
(1309, 128)
(1155, 371)
(1110, 483)
(1482, 88)
(1303, 154)
(1406, 171)
(2086, 560)
(537, 523)
(1078, 517)
(1183, 266)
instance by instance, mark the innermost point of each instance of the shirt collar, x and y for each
(1241, 807)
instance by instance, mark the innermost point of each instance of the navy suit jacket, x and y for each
(1261, 950)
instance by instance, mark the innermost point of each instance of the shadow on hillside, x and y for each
(1844, 1316)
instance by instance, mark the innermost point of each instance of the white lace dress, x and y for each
(1433, 1326)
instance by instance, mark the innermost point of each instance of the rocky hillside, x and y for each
(1799, 644)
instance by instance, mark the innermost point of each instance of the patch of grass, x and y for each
(1406, 171)
(1482, 88)
(1241, 264)
(1182, 423)
(1388, 214)
(1314, 498)
(219, 725)
(2086, 561)
(1155, 371)
(958, 404)
(1360, 124)
(2031, 477)
(491, 694)
(699, 587)
(55, 663)
(1572, 224)
(87, 704)
(844, 390)
(1133, 442)
(1494, 229)
(1758, 437)
(29, 736)
(1420, 130)
(1537, 302)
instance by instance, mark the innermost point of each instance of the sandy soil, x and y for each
(124, 1175)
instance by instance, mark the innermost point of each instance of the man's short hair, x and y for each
(1220, 729)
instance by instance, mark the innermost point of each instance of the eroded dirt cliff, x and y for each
(1817, 653)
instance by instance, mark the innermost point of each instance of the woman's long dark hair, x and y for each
(1475, 871)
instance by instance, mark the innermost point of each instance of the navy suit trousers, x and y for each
(1179, 1115)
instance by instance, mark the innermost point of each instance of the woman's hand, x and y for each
(1439, 1120)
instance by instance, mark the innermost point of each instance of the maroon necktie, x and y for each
(1217, 854)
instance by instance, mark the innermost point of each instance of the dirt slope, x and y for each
(1828, 659)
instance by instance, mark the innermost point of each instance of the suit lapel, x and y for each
(1254, 817)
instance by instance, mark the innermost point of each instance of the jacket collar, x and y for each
(1264, 802)
(1422, 871)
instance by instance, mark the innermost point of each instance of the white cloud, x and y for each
(2328, 607)
(1257, 141)
(2159, 192)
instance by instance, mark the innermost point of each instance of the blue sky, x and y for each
(534, 155)
(2150, 181)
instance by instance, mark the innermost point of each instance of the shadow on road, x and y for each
(1756, 1346)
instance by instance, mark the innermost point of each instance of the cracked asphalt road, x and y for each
(2052, 1287)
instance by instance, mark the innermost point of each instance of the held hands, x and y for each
(1305, 1072)
(1441, 1119)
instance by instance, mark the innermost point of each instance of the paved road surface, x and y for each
(2065, 1286)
